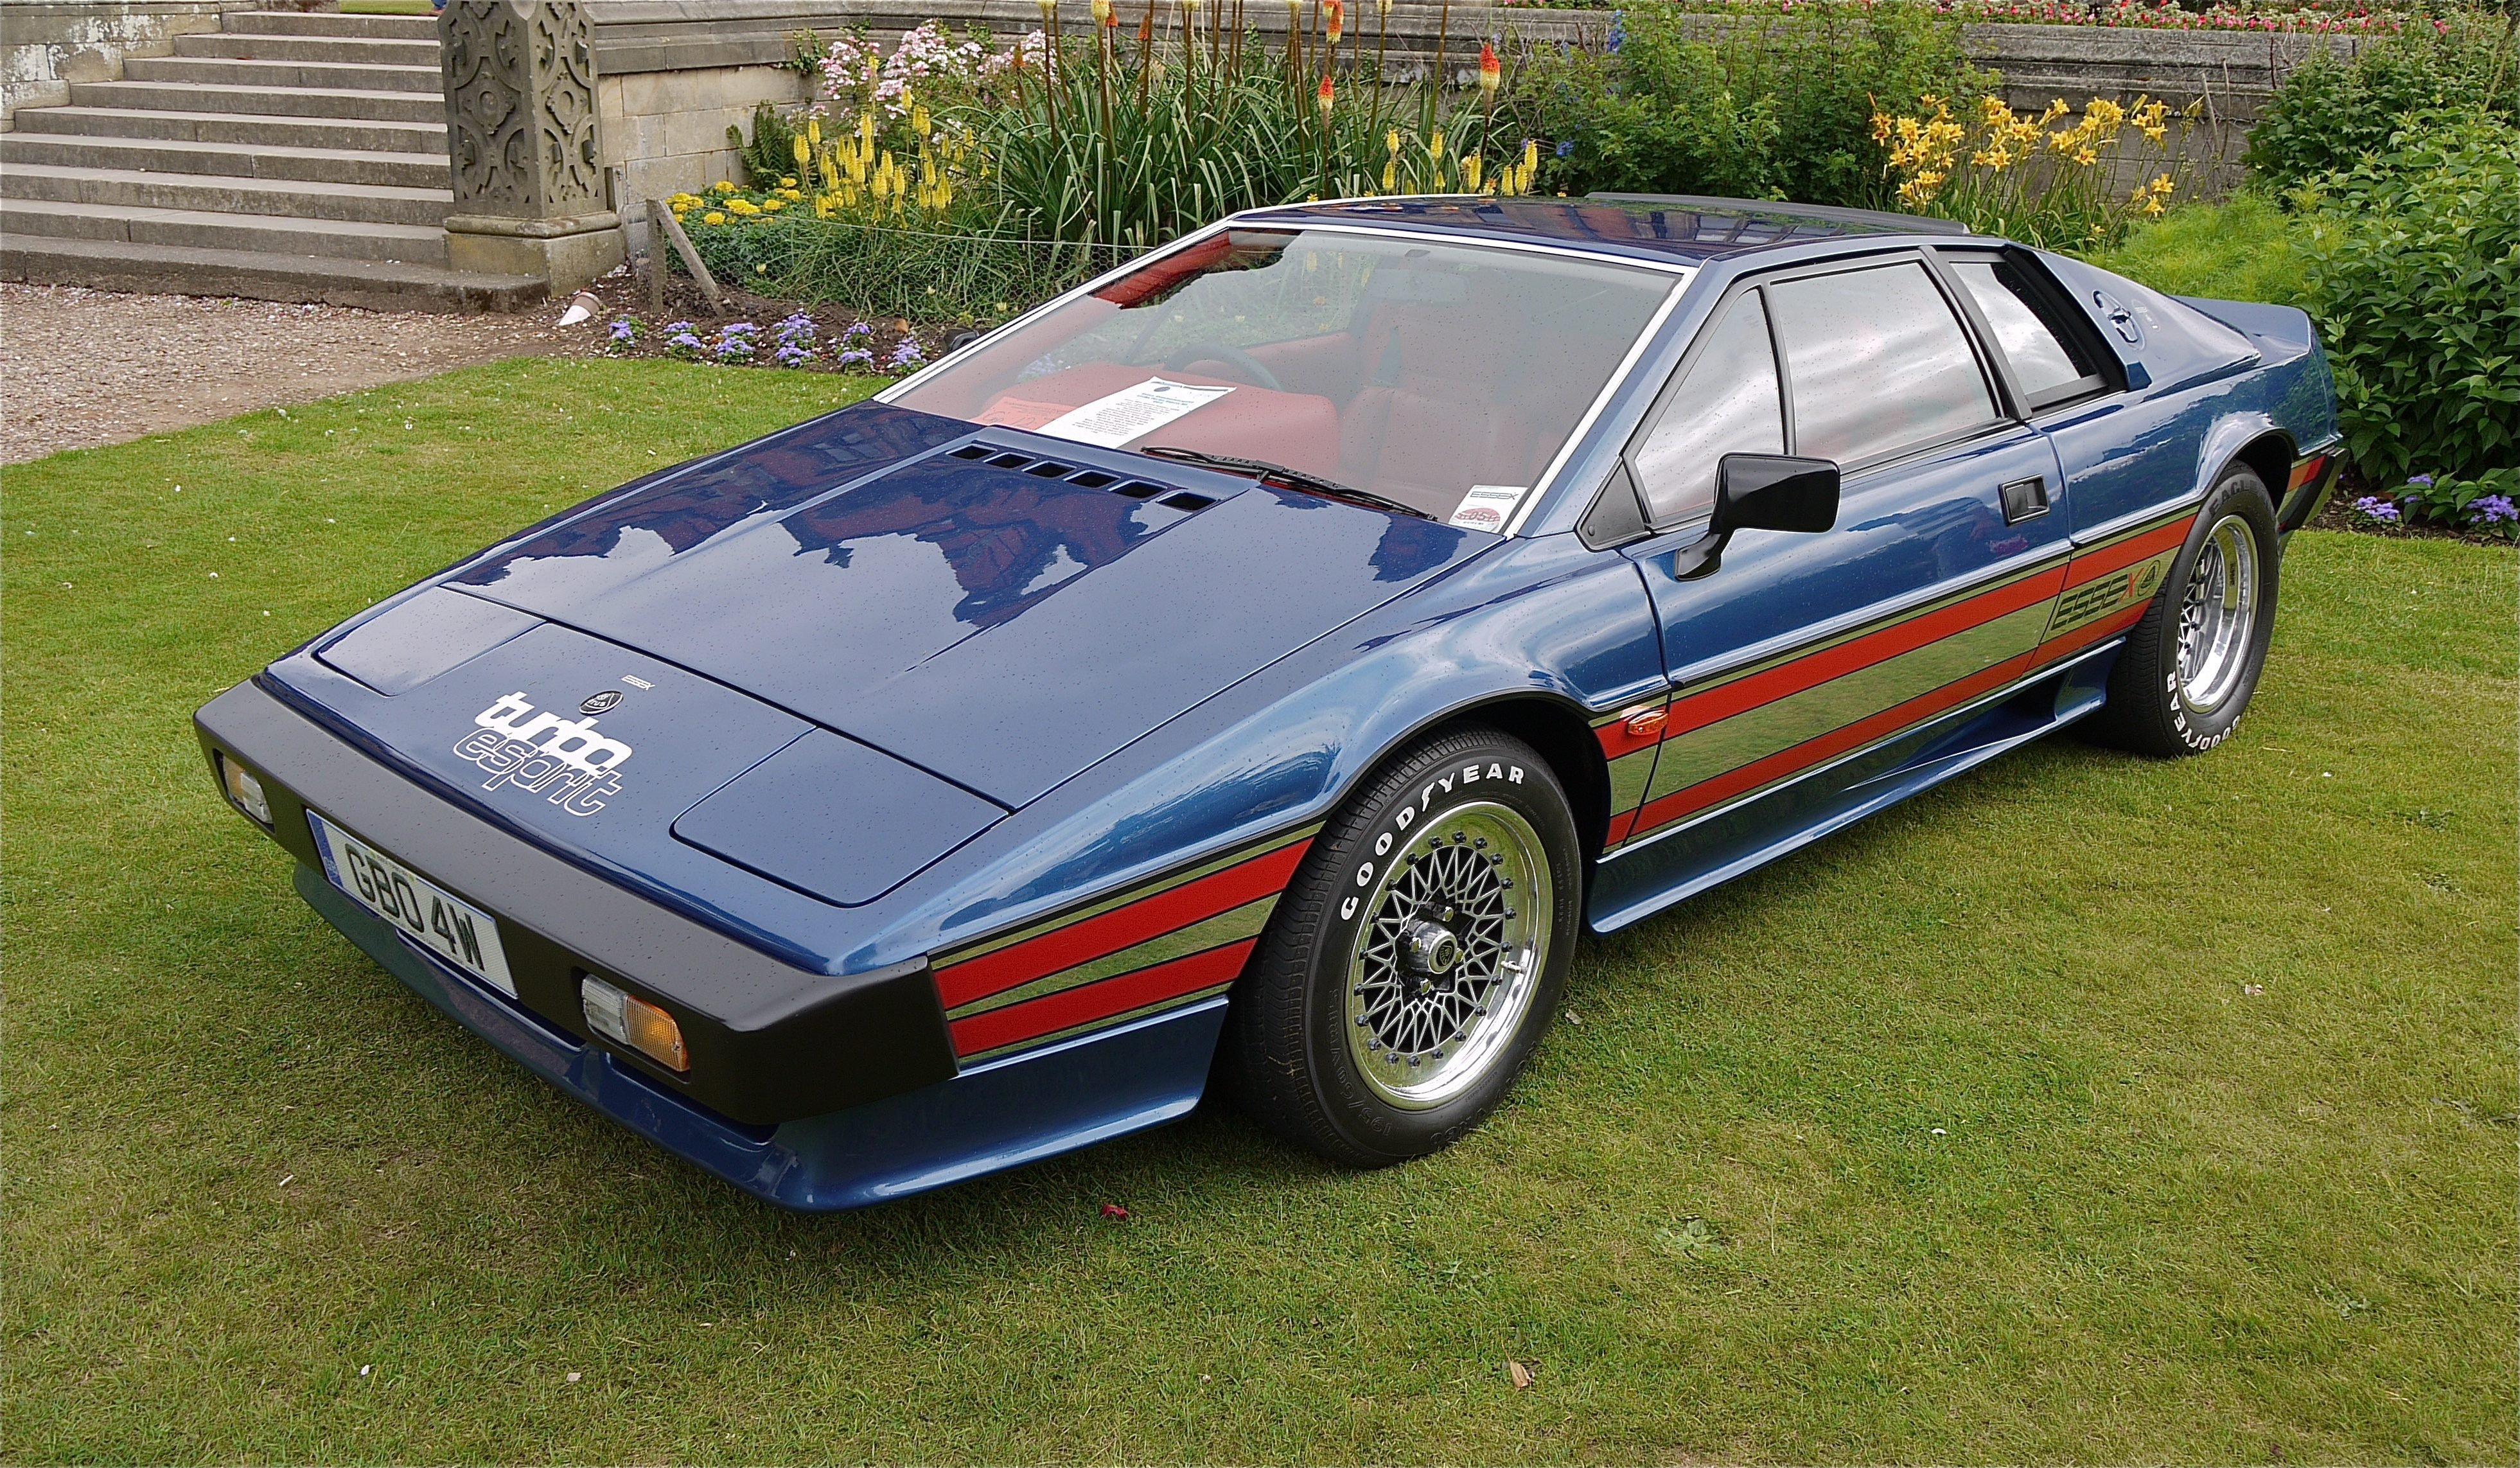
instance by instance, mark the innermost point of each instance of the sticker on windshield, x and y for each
(1131, 413)
(1487, 507)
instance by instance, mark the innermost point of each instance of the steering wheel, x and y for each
(1233, 356)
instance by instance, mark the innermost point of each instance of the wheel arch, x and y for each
(2269, 455)
(1560, 734)
(2250, 438)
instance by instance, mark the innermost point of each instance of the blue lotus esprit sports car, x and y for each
(1263, 661)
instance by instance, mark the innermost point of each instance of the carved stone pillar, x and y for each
(521, 131)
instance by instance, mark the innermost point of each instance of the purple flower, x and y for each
(855, 358)
(2424, 479)
(907, 355)
(857, 329)
(623, 331)
(1618, 31)
(1566, 148)
(2492, 509)
(2373, 508)
(672, 327)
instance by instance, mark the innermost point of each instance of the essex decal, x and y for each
(563, 760)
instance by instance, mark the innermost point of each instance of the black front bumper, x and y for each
(768, 1042)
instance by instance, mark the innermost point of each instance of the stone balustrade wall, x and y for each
(676, 74)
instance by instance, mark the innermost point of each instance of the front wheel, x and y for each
(1417, 957)
(2192, 664)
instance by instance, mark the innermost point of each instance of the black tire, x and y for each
(1398, 866)
(2162, 704)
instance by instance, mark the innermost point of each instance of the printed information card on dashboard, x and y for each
(1131, 413)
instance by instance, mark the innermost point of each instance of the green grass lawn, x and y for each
(2084, 1109)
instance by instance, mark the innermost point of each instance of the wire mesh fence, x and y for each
(927, 275)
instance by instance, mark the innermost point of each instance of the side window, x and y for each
(1878, 363)
(1728, 405)
(2052, 364)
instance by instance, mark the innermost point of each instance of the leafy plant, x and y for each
(2483, 505)
(1768, 105)
(2026, 177)
(2415, 281)
(2331, 112)
(771, 152)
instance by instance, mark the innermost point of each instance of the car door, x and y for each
(2112, 462)
(1932, 590)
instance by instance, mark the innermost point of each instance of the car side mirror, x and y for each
(1762, 492)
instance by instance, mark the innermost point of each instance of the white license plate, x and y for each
(423, 911)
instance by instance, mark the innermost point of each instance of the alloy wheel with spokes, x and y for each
(2218, 615)
(2190, 663)
(1413, 964)
(1442, 967)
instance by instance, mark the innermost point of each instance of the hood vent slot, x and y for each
(1001, 457)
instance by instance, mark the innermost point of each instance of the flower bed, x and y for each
(805, 339)
(2308, 19)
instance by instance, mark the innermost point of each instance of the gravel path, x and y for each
(81, 368)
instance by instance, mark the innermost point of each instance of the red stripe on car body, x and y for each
(1811, 670)
(1107, 932)
(1087, 1002)
(1716, 788)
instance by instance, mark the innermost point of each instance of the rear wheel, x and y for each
(2190, 665)
(1417, 957)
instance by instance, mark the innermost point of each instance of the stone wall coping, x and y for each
(666, 35)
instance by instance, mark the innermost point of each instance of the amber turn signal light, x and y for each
(627, 1020)
(243, 788)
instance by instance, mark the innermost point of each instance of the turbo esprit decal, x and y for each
(563, 760)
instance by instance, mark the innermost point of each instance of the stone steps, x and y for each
(336, 76)
(289, 157)
(238, 130)
(372, 203)
(365, 51)
(374, 285)
(208, 229)
(340, 165)
(320, 23)
(260, 100)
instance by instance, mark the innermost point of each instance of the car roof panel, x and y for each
(1670, 228)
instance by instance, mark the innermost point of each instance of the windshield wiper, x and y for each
(1297, 479)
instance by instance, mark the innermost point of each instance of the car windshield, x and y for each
(1413, 370)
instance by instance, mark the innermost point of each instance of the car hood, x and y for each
(998, 608)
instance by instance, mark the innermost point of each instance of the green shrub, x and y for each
(2413, 277)
(2330, 114)
(1777, 106)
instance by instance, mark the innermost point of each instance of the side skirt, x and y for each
(1669, 867)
